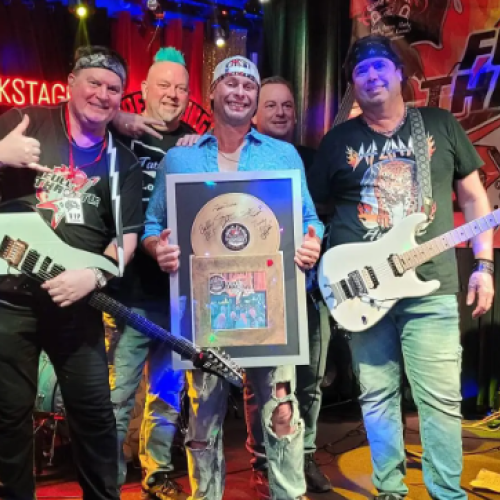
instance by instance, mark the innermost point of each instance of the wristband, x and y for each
(484, 266)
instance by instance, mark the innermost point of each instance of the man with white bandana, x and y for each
(235, 146)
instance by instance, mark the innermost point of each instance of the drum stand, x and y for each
(45, 433)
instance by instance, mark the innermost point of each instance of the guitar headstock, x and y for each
(213, 360)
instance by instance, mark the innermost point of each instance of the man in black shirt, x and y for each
(145, 288)
(72, 158)
(369, 167)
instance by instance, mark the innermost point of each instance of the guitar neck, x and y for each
(425, 252)
(106, 304)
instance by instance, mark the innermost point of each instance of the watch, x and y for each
(100, 279)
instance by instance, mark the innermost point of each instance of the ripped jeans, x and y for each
(208, 397)
(423, 334)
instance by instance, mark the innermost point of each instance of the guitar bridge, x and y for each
(13, 251)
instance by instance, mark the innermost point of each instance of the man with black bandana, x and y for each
(69, 153)
(367, 167)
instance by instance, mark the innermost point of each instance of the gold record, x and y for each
(235, 223)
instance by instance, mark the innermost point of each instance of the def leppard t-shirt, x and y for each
(77, 205)
(372, 181)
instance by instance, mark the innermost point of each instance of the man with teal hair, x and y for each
(145, 289)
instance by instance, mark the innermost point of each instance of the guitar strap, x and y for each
(422, 158)
(114, 189)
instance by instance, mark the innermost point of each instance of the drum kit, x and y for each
(49, 421)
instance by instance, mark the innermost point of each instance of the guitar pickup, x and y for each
(13, 251)
(370, 278)
(396, 265)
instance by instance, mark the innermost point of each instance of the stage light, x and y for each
(81, 11)
(81, 8)
(153, 5)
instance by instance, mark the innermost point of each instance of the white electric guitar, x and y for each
(360, 282)
(28, 246)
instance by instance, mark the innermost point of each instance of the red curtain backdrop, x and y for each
(138, 45)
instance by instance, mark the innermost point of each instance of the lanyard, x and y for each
(72, 168)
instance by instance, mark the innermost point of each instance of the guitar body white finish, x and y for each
(37, 234)
(358, 314)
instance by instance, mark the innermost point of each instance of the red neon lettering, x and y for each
(19, 91)
(22, 92)
(44, 95)
(61, 96)
(3, 85)
(30, 84)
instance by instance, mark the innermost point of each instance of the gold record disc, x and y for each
(235, 223)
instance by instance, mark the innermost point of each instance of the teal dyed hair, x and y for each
(169, 54)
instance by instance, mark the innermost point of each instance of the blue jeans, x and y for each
(423, 334)
(164, 385)
(208, 396)
(308, 390)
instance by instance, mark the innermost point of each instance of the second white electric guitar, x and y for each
(360, 282)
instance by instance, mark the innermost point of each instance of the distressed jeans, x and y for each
(308, 390)
(208, 397)
(423, 334)
(164, 385)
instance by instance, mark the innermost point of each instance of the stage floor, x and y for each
(343, 454)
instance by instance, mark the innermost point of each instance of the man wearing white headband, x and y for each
(235, 146)
(62, 160)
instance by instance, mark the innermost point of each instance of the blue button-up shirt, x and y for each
(260, 152)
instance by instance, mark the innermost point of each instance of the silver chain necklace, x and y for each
(388, 133)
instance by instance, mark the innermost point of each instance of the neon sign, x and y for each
(26, 92)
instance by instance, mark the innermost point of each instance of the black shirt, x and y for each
(372, 181)
(93, 227)
(143, 280)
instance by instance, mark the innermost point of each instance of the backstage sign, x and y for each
(29, 91)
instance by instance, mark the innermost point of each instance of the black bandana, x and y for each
(104, 61)
(368, 47)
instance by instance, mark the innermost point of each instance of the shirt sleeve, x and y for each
(309, 215)
(156, 213)
(467, 160)
(131, 199)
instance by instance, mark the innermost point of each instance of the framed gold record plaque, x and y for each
(238, 287)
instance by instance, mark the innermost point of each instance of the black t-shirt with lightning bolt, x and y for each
(89, 226)
(143, 281)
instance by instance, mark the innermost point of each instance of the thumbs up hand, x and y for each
(308, 253)
(17, 150)
(167, 255)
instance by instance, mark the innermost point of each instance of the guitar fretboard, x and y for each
(102, 302)
(426, 251)
(106, 304)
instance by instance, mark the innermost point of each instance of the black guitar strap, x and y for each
(114, 189)
(422, 158)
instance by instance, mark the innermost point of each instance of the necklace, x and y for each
(388, 133)
(235, 156)
(72, 168)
